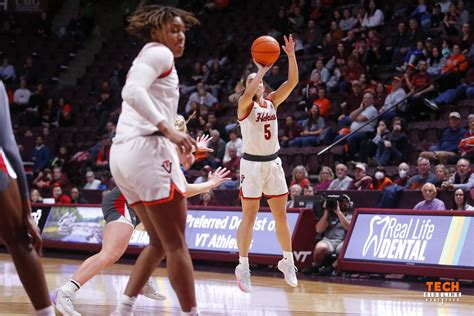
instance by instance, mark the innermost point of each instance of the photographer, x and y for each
(332, 226)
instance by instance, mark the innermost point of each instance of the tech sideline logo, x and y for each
(441, 292)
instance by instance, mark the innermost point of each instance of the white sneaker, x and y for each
(63, 303)
(150, 292)
(242, 274)
(431, 104)
(289, 270)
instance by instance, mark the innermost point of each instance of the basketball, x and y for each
(265, 50)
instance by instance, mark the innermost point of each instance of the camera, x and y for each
(329, 202)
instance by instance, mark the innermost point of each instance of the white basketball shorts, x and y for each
(257, 178)
(146, 169)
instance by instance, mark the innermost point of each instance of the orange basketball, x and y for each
(265, 50)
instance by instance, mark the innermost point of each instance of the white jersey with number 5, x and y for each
(259, 128)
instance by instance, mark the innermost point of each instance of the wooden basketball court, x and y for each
(218, 295)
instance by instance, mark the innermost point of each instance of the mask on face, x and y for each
(379, 175)
(402, 174)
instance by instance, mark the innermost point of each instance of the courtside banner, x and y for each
(40, 215)
(411, 238)
(206, 230)
(216, 230)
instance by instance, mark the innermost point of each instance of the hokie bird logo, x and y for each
(167, 165)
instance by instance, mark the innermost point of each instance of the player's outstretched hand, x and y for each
(219, 176)
(202, 142)
(289, 46)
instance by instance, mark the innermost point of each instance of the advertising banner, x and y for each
(206, 230)
(412, 239)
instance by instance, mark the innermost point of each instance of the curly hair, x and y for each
(146, 17)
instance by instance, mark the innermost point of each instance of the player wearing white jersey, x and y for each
(260, 168)
(143, 157)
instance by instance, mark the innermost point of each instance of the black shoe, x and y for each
(310, 270)
(326, 270)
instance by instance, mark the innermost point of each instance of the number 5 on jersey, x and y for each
(267, 132)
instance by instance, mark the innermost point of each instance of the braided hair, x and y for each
(147, 17)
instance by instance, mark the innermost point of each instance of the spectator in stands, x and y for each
(296, 21)
(455, 64)
(35, 197)
(436, 62)
(342, 181)
(463, 13)
(44, 179)
(29, 71)
(312, 37)
(274, 78)
(322, 102)
(312, 128)
(65, 114)
(466, 145)
(233, 163)
(400, 42)
(361, 180)
(424, 175)
(430, 202)
(415, 33)
(403, 174)
(40, 155)
(323, 72)
(216, 79)
(291, 130)
(333, 226)
(76, 197)
(436, 21)
(207, 199)
(300, 176)
(381, 181)
(308, 190)
(460, 201)
(336, 32)
(218, 146)
(61, 158)
(373, 17)
(393, 146)
(234, 141)
(451, 21)
(60, 178)
(448, 145)
(201, 97)
(365, 112)
(106, 181)
(43, 26)
(59, 197)
(295, 189)
(462, 179)
(368, 147)
(7, 72)
(21, 97)
(102, 161)
(441, 174)
(325, 178)
(347, 22)
(394, 102)
(465, 43)
(204, 174)
(91, 182)
(420, 88)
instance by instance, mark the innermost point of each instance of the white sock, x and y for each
(126, 304)
(288, 255)
(244, 261)
(47, 311)
(194, 312)
(71, 287)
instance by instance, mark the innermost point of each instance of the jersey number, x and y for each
(267, 132)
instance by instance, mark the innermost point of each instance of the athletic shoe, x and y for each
(242, 274)
(323, 271)
(63, 303)
(431, 104)
(289, 270)
(150, 292)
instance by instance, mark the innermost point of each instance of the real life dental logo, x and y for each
(389, 239)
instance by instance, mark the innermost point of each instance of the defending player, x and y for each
(260, 168)
(17, 230)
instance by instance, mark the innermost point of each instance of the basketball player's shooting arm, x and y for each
(280, 95)
(245, 100)
(214, 180)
